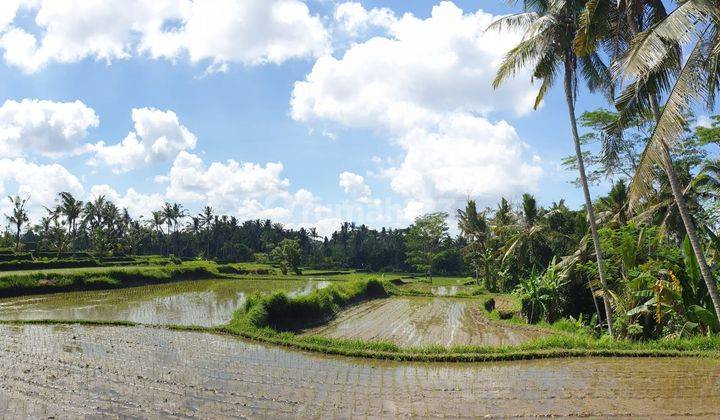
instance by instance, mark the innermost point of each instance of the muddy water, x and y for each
(76, 371)
(203, 302)
(412, 321)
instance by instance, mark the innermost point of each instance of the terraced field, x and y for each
(202, 302)
(76, 371)
(420, 321)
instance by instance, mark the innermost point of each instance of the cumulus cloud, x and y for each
(158, 136)
(355, 185)
(137, 204)
(352, 18)
(464, 156)
(245, 31)
(229, 185)
(428, 83)
(422, 69)
(41, 183)
(47, 128)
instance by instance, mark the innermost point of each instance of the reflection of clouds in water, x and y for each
(445, 291)
(206, 303)
(309, 287)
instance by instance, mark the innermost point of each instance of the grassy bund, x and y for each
(274, 318)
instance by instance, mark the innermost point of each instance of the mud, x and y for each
(203, 302)
(413, 321)
(80, 371)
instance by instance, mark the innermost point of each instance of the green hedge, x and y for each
(282, 312)
(40, 264)
(34, 283)
(15, 256)
(233, 269)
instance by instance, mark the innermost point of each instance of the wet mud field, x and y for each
(419, 321)
(202, 302)
(77, 371)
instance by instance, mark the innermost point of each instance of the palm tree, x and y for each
(614, 206)
(529, 242)
(697, 79)
(548, 46)
(206, 217)
(18, 217)
(72, 209)
(474, 226)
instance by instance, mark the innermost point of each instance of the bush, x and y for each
(33, 283)
(281, 312)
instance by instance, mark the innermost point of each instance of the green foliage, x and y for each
(287, 255)
(542, 297)
(425, 241)
(84, 279)
(282, 312)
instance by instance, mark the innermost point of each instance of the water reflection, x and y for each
(203, 302)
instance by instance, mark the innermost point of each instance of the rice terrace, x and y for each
(359, 209)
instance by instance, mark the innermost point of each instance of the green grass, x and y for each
(49, 281)
(282, 312)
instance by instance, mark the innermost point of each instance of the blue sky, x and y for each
(386, 122)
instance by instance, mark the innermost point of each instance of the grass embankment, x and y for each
(272, 319)
(18, 284)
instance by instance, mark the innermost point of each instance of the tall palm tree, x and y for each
(72, 209)
(474, 226)
(18, 216)
(697, 80)
(547, 46)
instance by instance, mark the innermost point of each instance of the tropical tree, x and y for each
(547, 46)
(474, 227)
(424, 241)
(653, 51)
(287, 254)
(72, 209)
(18, 217)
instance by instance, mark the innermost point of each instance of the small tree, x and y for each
(287, 254)
(18, 217)
(424, 241)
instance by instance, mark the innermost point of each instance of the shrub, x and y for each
(281, 312)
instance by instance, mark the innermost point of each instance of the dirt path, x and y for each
(75, 371)
(414, 321)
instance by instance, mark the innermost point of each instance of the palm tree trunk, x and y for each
(569, 97)
(679, 198)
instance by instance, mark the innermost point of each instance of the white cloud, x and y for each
(137, 204)
(429, 84)
(424, 68)
(41, 183)
(464, 157)
(158, 136)
(353, 18)
(355, 185)
(229, 186)
(245, 31)
(44, 127)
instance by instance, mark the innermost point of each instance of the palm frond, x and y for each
(671, 124)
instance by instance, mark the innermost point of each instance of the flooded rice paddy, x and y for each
(418, 321)
(78, 371)
(203, 302)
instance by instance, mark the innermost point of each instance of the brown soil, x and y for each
(413, 321)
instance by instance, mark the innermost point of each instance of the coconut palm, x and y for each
(547, 48)
(697, 80)
(474, 227)
(18, 217)
(72, 209)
